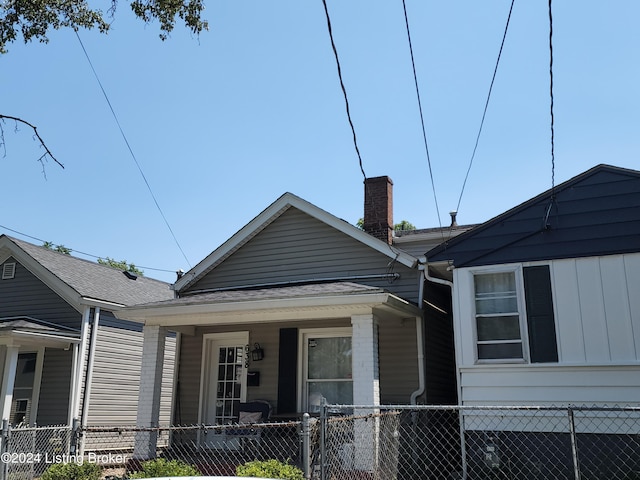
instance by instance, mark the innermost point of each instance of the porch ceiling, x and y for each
(302, 302)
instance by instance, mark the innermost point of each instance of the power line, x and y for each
(78, 251)
(486, 105)
(424, 134)
(344, 90)
(131, 151)
(553, 158)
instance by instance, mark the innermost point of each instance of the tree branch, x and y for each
(36, 134)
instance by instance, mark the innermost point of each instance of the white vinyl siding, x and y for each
(597, 311)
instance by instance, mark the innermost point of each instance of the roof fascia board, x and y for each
(66, 292)
(271, 213)
(323, 304)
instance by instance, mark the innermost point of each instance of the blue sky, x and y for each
(223, 124)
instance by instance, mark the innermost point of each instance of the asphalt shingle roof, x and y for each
(96, 281)
(274, 293)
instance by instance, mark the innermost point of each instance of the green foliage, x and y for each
(161, 467)
(33, 19)
(403, 226)
(121, 265)
(72, 471)
(57, 248)
(270, 469)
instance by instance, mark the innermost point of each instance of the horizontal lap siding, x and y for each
(116, 377)
(53, 406)
(26, 295)
(297, 247)
(530, 385)
(268, 338)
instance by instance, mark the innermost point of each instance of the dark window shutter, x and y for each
(287, 370)
(540, 319)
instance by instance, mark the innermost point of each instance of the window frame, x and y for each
(303, 357)
(522, 313)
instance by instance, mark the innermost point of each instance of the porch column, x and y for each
(8, 379)
(150, 389)
(366, 390)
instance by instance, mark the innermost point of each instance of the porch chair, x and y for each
(249, 415)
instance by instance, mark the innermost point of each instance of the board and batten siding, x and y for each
(597, 315)
(26, 295)
(298, 247)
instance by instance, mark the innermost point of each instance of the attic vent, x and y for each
(129, 275)
(8, 271)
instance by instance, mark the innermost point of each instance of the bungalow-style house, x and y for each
(545, 301)
(296, 307)
(63, 353)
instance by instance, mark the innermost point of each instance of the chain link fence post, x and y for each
(74, 437)
(6, 432)
(323, 440)
(306, 450)
(574, 444)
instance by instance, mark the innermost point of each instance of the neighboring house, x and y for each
(63, 354)
(336, 312)
(546, 295)
(547, 306)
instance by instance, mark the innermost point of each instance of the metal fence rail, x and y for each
(362, 442)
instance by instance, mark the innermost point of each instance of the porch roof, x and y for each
(300, 302)
(29, 331)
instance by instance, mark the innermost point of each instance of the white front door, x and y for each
(225, 378)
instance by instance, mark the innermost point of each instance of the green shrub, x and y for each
(270, 469)
(72, 471)
(161, 467)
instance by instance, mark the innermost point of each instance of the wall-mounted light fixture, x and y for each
(257, 353)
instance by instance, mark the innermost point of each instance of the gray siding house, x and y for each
(300, 306)
(63, 353)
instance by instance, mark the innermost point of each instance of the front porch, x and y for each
(340, 343)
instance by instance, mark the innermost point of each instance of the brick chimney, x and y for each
(378, 208)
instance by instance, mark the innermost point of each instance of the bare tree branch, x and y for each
(44, 156)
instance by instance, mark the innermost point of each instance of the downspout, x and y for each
(463, 446)
(89, 376)
(420, 338)
(76, 369)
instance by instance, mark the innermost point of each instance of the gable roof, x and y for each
(268, 216)
(592, 214)
(81, 281)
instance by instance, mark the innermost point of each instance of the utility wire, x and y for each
(344, 90)
(77, 251)
(553, 158)
(486, 105)
(424, 134)
(131, 151)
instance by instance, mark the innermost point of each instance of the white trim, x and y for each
(271, 213)
(205, 368)
(37, 380)
(303, 335)
(8, 270)
(516, 269)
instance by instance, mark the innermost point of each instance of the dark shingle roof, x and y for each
(277, 293)
(92, 280)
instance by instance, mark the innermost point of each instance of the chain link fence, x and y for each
(361, 443)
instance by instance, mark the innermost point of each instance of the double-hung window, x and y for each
(514, 317)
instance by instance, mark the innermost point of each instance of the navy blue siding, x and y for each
(596, 213)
